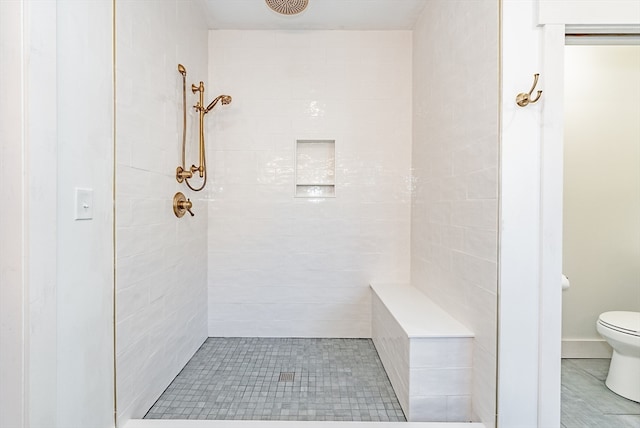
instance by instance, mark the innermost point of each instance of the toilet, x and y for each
(621, 329)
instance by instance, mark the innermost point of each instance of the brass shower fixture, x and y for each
(182, 173)
(181, 205)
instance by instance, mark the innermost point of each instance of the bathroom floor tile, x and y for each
(586, 400)
(281, 379)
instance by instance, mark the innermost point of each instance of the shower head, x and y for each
(182, 70)
(287, 7)
(224, 99)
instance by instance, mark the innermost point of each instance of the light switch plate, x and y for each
(84, 204)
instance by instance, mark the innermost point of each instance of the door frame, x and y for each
(530, 299)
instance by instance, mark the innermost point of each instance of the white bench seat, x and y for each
(426, 352)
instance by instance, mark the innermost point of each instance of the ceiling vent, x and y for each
(287, 7)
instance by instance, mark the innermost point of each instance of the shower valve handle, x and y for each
(187, 206)
(182, 204)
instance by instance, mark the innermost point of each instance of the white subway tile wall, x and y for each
(427, 354)
(284, 266)
(394, 349)
(161, 262)
(454, 215)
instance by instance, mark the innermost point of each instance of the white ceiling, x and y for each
(319, 15)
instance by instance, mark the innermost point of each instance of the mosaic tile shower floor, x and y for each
(240, 378)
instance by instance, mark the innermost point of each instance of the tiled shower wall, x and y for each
(286, 266)
(161, 260)
(454, 215)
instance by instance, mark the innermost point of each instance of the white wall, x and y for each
(454, 217)
(161, 260)
(521, 223)
(601, 253)
(41, 131)
(63, 374)
(12, 266)
(85, 248)
(285, 266)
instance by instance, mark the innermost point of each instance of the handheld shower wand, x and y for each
(225, 99)
(202, 110)
(183, 174)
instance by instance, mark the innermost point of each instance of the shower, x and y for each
(225, 99)
(287, 7)
(182, 173)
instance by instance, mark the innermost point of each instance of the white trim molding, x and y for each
(590, 348)
(592, 12)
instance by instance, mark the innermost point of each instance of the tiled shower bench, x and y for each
(426, 352)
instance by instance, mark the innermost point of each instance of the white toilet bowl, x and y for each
(622, 331)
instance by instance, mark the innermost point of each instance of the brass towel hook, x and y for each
(524, 99)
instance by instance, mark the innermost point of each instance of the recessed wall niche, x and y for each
(315, 168)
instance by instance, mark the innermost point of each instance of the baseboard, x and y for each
(577, 348)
